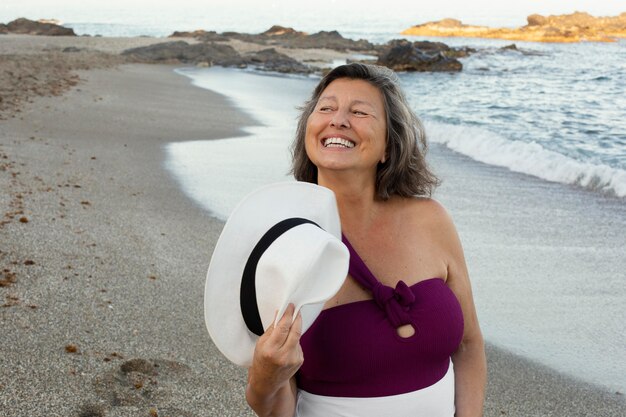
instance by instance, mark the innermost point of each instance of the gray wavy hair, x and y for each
(405, 172)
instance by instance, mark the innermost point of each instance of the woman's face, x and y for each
(348, 128)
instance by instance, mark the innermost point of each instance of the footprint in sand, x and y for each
(141, 385)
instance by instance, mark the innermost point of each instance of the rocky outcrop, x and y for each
(575, 27)
(183, 52)
(278, 30)
(330, 40)
(271, 60)
(402, 55)
(440, 47)
(193, 34)
(287, 38)
(580, 20)
(201, 35)
(3, 29)
(30, 27)
(216, 54)
(217, 49)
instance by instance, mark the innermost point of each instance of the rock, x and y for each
(575, 27)
(450, 23)
(329, 40)
(181, 51)
(431, 47)
(445, 27)
(207, 54)
(536, 20)
(285, 37)
(166, 51)
(212, 36)
(201, 35)
(511, 47)
(71, 49)
(402, 55)
(271, 60)
(278, 30)
(575, 19)
(3, 29)
(30, 27)
(193, 34)
(462, 52)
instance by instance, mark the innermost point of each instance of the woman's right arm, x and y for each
(271, 390)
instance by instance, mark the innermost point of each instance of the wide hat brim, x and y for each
(250, 220)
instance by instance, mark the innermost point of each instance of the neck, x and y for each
(356, 199)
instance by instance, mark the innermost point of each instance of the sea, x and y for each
(530, 143)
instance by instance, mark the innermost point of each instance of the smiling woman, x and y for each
(347, 129)
(379, 106)
(401, 335)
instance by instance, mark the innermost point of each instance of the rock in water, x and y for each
(271, 60)
(30, 27)
(575, 27)
(402, 55)
(278, 30)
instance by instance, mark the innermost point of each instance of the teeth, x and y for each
(338, 143)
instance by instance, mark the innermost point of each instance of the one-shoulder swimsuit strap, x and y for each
(395, 302)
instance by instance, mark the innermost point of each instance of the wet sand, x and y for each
(103, 261)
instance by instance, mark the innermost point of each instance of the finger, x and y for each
(270, 328)
(280, 331)
(279, 314)
(295, 333)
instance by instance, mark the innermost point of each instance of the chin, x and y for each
(332, 165)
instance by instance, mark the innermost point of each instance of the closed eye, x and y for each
(359, 113)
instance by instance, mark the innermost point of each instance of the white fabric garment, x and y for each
(434, 401)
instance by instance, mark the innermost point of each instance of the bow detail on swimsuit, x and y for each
(395, 302)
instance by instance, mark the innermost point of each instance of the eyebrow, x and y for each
(353, 102)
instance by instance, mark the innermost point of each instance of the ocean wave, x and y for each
(527, 157)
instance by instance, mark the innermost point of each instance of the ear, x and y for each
(384, 158)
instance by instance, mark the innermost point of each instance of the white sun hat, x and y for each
(282, 244)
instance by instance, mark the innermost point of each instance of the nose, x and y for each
(340, 120)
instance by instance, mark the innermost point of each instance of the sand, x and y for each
(103, 261)
(118, 253)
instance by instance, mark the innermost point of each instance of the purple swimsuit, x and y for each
(354, 350)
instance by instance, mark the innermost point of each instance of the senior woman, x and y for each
(401, 336)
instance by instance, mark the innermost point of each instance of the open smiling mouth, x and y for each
(337, 143)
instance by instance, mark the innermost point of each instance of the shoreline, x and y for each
(129, 230)
(37, 65)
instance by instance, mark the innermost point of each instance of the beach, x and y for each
(103, 256)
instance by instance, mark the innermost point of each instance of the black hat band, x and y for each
(247, 295)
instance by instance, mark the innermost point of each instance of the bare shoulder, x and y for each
(430, 213)
(435, 224)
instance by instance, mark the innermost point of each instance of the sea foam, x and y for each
(527, 157)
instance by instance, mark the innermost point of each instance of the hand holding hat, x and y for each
(282, 244)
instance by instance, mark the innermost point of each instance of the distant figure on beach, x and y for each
(401, 337)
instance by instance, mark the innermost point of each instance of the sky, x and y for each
(524, 7)
(470, 12)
